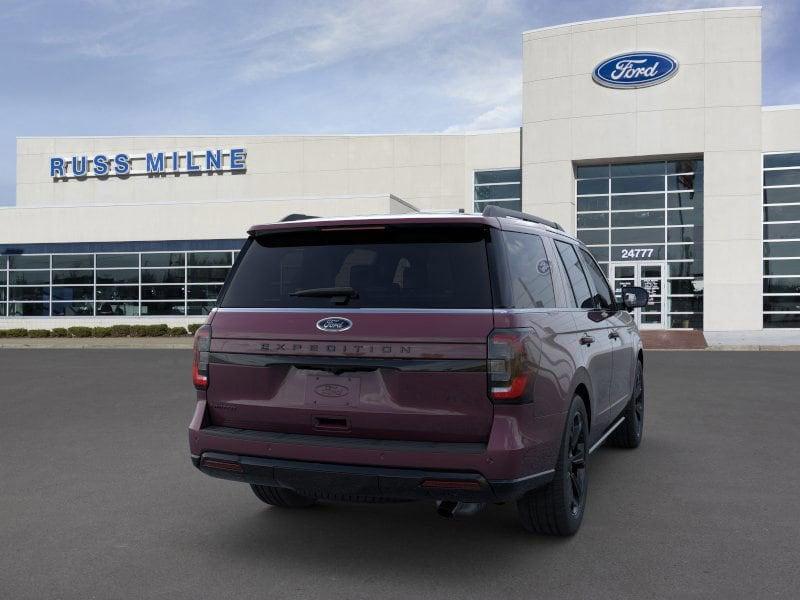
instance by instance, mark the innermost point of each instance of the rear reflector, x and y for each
(222, 465)
(451, 484)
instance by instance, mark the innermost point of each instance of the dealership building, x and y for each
(644, 135)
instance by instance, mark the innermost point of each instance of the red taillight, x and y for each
(508, 366)
(202, 346)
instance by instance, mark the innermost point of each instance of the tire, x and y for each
(557, 508)
(275, 496)
(629, 433)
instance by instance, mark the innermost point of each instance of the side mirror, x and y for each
(634, 297)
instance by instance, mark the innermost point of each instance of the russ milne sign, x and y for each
(635, 70)
(151, 163)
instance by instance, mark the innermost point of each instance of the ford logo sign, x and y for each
(635, 70)
(334, 324)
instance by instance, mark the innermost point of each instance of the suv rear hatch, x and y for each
(369, 331)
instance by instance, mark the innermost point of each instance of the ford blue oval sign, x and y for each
(635, 70)
(334, 324)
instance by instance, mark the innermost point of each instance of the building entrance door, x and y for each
(650, 276)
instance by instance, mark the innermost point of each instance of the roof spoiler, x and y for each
(498, 211)
(296, 217)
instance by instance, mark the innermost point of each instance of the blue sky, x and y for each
(150, 67)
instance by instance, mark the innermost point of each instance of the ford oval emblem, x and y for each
(331, 390)
(334, 324)
(635, 70)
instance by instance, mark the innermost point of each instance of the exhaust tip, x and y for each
(457, 510)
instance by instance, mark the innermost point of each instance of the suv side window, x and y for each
(575, 274)
(603, 299)
(531, 281)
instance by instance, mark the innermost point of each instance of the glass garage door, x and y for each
(648, 213)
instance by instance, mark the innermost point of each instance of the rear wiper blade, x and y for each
(338, 295)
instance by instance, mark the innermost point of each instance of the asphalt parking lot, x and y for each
(99, 500)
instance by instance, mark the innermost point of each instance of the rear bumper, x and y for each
(335, 480)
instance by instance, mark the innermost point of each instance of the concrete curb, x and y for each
(160, 343)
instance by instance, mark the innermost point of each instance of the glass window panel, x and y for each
(782, 249)
(782, 213)
(23, 261)
(684, 166)
(105, 261)
(791, 159)
(496, 192)
(637, 184)
(2, 294)
(118, 276)
(582, 295)
(680, 234)
(162, 308)
(782, 267)
(498, 176)
(593, 220)
(209, 259)
(593, 237)
(638, 252)
(163, 259)
(531, 281)
(3, 263)
(118, 309)
(782, 285)
(592, 186)
(162, 292)
(73, 309)
(199, 308)
(685, 286)
(681, 217)
(72, 293)
(593, 203)
(73, 261)
(117, 292)
(782, 195)
(600, 254)
(28, 309)
(591, 171)
(782, 303)
(2, 277)
(686, 321)
(637, 202)
(637, 219)
(2, 310)
(774, 321)
(684, 199)
(207, 275)
(74, 277)
(782, 231)
(29, 277)
(679, 252)
(163, 275)
(29, 293)
(509, 204)
(694, 304)
(682, 269)
(637, 236)
(682, 182)
(651, 168)
(788, 177)
(204, 292)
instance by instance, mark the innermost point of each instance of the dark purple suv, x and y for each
(463, 359)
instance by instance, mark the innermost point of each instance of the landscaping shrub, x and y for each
(16, 333)
(138, 330)
(120, 330)
(194, 327)
(177, 331)
(38, 333)
(2, 333)
(59, 332)
(157, 330)
(80, 332)
(101, 332)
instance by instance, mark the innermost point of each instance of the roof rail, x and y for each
(296, 217)
(498, 211)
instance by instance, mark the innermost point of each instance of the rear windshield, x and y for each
(398, 267)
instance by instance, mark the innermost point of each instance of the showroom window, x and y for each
(113, 284)
(650, 213)
(781, 301)
(500, 187)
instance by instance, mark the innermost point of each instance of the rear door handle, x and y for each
(613, 335)
(587, 340)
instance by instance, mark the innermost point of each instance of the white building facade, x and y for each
(664, 162)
